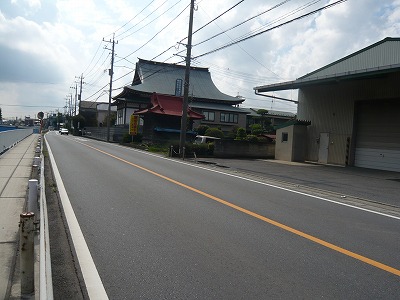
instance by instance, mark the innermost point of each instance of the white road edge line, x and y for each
(266, 184)
(90, 274)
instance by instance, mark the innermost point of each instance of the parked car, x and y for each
(202, 139)
(64, 131)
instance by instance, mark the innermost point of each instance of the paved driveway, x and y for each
(374, 185)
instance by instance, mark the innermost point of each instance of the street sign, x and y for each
(178, 87)
(134, 125)
(40, 115)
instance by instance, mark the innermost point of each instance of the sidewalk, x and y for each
(15, 171)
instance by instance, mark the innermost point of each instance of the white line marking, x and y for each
(90, 274)
(263, 183)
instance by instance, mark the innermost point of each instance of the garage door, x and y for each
(378, 135)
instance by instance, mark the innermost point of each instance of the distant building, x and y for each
(273, 117)
(102, 113)
(95, 113)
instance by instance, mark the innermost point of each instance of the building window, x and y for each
(229, 118)
(209, 116)
(285, 137)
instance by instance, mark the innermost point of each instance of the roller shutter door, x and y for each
(378, 135)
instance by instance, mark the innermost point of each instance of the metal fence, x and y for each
(100, 133)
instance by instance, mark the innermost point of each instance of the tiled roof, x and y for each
(277, 113)
(216, 106)
(293, 122)
(161, 78)
(168, 105)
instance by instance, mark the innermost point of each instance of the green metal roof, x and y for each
(380, 58)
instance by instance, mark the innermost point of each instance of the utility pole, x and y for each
(182, 140)
(76, 96)
(70, 105)
(111, 73)
(80, 91)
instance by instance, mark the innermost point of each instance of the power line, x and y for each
(150, 21)
(93, 57)
(132, 19)
(21, 105)
(241, 23)
(156, 33)
(280, 18)
(88, 75)
(202, 27)
(269, 29)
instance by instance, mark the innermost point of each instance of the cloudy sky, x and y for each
(46, 45)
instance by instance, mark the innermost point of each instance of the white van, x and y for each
(203, 139)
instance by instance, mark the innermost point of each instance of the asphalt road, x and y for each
(164, 229)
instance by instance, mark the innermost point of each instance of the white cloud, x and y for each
(59, 39)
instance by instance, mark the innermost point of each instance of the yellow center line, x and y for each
(262, 218)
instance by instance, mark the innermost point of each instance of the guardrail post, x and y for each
(171, 151)
(35, 172)
(33, 196)
(27, 254)
(37, 161)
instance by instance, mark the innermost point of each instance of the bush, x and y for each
(201, 130)
(241, 134)
(127, 138)
(214, 132)
(256, 129)
(232, 134)
(252, 138)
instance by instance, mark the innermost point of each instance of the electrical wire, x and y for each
(151, 20)
(245, 21)
(269, 29)
(279, 18)
(202, 27)
(93, 57)
(169, 23)
(131, 19)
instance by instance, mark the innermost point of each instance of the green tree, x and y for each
(113, 118)
(241, 134)
(78, 122)
(60, 119)
(214, 132)
(265, 122)
(256, 129)
(233, 132)
(201, 130)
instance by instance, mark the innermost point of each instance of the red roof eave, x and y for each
(169, 106)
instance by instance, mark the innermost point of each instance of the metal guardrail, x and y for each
(45, 280)
(11, 137)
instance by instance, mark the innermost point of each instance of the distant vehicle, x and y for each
(203, 139)
(64, 131)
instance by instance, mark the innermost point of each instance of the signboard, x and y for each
(134, 125)
(40, 115)
(178, 87)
